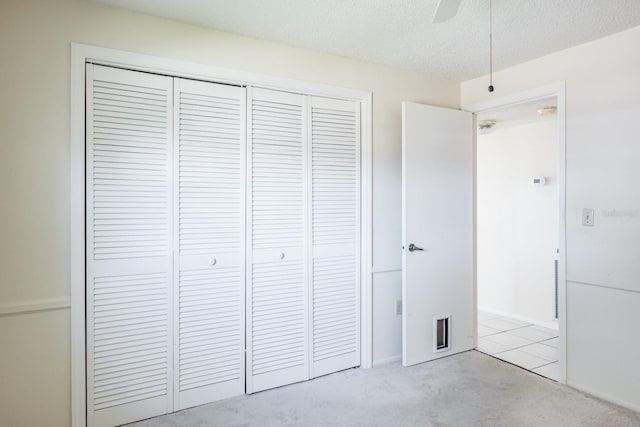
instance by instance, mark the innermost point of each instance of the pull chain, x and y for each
(490, 47)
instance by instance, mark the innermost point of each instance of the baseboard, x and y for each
(381, 270)
(550, 325)
(605, 396)
(34, 306)
(387, 360)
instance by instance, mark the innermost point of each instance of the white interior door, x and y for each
(438, 232)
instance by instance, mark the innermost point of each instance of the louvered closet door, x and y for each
(277, 308)
(209, 208)
(335, 207)
(128, 245)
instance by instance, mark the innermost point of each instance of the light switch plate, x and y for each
(587, 217)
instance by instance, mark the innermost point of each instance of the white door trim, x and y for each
(559, 91)
(80, 55)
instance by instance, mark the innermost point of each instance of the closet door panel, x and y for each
(209, 210)
(128, 245)
(335, 235)
(277, 340)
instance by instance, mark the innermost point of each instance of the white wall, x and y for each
(517, 222)
(35, 37)
(603, 262)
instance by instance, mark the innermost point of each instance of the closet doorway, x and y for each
(224, 240)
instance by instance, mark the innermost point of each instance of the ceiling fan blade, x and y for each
(446, 10)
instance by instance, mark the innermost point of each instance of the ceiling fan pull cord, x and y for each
(490, 47)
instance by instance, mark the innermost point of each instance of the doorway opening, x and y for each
(519, 193)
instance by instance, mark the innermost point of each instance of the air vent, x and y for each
(441, 338)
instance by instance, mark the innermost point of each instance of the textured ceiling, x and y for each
(399, 33)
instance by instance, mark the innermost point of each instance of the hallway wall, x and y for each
(517, 222)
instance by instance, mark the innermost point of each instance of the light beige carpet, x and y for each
(468, 389)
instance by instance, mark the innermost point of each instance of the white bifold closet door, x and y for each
(209, 212)
(335, 235)
(222, 241)
(165, 244)
(128, 245)
(303, 312)
(277, 309)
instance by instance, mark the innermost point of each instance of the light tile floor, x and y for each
(529, 346)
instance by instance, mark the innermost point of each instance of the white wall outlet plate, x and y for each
(587, 217)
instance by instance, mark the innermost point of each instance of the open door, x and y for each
(437, 232)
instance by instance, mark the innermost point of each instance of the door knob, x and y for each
(413, 247)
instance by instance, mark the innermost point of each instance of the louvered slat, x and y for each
(209, 211)
(278, 314)
(210, 329)
(335, 205)
(277, 300)
(129, 357)
(145, 333)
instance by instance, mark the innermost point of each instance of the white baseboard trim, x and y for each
(550, 325)
(604, 396)
(34, 306)
(381, 270)
(387, 360)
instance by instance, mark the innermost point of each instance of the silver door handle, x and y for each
(413, 247)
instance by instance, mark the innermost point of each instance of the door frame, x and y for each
(82, 54)
(557, 90)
